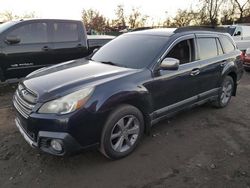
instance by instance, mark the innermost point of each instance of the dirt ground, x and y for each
(203, 147)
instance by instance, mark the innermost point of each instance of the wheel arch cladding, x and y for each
(233, 75)
(144, 106)
(1, 75)
(142, 103)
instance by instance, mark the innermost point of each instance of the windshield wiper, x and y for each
(108, 63)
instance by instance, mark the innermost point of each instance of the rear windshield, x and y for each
(230, 30)
(132, 51)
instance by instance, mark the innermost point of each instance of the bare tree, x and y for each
(120, 20)
(211, 8)
(166, 23)
(93, 20)
(184, 18)
(136, 19)
(8, 16)
(241, 7)
(228, 13)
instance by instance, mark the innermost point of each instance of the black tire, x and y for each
(125, 114)
(225, 93)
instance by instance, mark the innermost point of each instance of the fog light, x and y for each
(56, 145)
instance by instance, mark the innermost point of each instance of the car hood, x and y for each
(59, 80)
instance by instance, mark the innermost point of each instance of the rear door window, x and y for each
(31, 33)
(227, 45)
(65, 32)
(207, 48)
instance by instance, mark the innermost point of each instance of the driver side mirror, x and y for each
(170, 64)
(12, 39)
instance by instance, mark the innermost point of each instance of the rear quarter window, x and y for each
(207, 48)
(65, 32)
(227, 45)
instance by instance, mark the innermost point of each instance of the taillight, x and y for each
(242, 55)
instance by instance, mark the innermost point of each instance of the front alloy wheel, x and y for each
(125, 133)
(122, 132)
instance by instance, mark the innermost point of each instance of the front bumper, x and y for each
(24, 134)
(69, 144)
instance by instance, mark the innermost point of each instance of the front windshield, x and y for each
(6, 25)
(230, 30)
(131, 50)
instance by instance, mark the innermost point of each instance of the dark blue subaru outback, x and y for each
(111, 99)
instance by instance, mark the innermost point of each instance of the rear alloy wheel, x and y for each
(226, 92)
(122, 132)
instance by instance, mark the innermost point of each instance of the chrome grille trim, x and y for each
(30, 96)
(24, 103)
(19, 110)
(23, 106)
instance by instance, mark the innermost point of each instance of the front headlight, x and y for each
(68, 103)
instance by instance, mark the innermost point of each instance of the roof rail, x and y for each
(243, 24)
(201, 28)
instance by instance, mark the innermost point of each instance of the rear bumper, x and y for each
(246, 66)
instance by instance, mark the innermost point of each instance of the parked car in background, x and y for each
(240, 34)
(246, 59)
(27, 45)
(127, 86)
(97, 41)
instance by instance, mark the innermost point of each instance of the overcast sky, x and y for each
(71, 9)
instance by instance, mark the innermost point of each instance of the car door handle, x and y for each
(45, 48)
(79, 45)
(195, 72)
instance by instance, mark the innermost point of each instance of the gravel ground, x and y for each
(203, 147)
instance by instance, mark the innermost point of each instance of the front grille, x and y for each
(24, 101)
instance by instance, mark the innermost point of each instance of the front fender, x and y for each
(137, 96)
